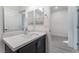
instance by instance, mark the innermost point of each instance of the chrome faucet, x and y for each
(25, 30)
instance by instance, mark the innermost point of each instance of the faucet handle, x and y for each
(25, 29)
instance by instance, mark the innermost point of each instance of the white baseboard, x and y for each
(59, 36)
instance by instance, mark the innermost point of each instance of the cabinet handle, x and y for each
(38, 45)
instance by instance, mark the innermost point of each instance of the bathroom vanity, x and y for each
(32, 42)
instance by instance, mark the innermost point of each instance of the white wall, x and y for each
(12, 18)
(2, 47)
(59, 22)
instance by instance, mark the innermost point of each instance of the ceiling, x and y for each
(58, 8)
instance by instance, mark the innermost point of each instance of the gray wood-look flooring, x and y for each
(58, 46)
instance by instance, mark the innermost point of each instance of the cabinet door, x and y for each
(41, 45)
(30, 48)
(8, 50)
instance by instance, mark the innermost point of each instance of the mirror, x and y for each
(36, 16)
(14, 18)
(30, 18)
(39, 17)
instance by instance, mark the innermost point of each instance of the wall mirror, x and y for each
(14, 18)
(36, 16)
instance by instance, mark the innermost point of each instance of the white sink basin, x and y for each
(30, 34)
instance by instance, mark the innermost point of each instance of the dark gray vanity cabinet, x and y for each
(37, 46)
(30, 48)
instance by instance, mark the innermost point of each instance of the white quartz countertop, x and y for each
(18, 41)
